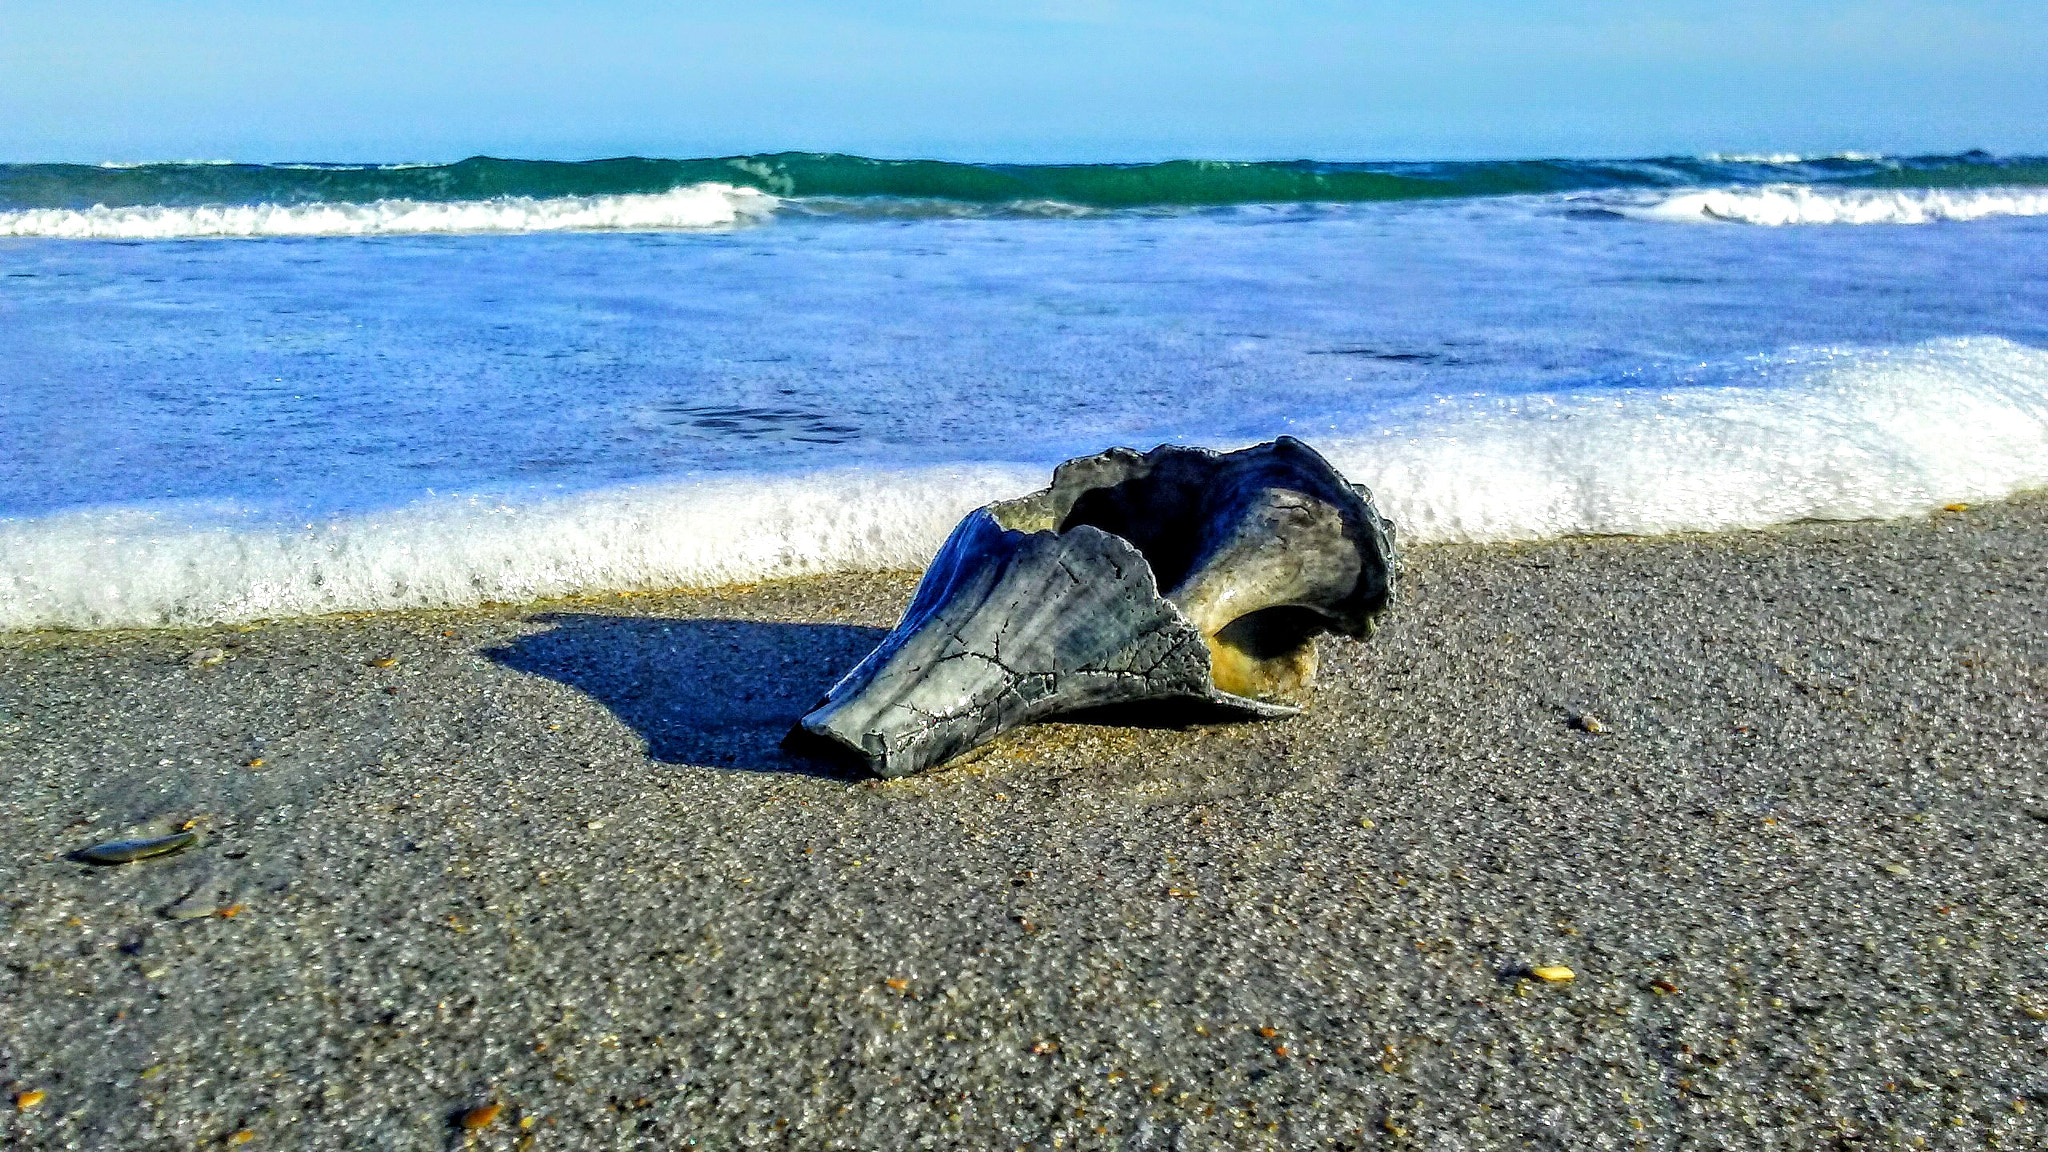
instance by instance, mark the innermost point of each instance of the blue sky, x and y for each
(95, 80)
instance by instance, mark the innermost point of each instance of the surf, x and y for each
(489, 194)
(1783, 205)
(692, 208)
(1810, 434)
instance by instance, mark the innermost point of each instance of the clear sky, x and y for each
(95, 80)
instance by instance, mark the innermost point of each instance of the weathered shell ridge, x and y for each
(1047, 604)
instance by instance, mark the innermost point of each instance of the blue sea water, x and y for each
(322, 414)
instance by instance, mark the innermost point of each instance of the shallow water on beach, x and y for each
(216, 429)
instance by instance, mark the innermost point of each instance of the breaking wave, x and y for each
(1790, 157)
(1818, 434)
(1795, 204)
(486, 194)
(700, 206)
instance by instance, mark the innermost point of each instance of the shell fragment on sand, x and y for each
(129, 851)
(1180, 575)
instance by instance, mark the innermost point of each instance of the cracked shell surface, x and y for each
(1053, 603)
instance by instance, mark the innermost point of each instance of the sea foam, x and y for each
(1814, 434)
(699, 206)
(1782, 158)
(1797, 204)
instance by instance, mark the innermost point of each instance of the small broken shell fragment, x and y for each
(205, 899)
(129, 851)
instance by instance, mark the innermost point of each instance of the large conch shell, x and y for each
(1052, 603)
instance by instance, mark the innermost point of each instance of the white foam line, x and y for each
(699, 206)
(1828, 435)
(120, 568)
(1821, 434)
(1787, 157)
(1780, 205)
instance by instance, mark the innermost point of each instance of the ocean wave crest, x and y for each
(1796, 204)
(698, 207)
(1173, 185)
(1777, 158)
(1819, 434)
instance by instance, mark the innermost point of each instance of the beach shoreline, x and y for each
(552, 857)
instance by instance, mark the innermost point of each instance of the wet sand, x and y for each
(551, 858)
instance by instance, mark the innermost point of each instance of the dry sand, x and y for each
(552, 859)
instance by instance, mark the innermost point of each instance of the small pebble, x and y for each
(384, 662)
(481, 1116)
(1898, 869)
(129, 851)
(29, 1099)
(206, 657)
(241, 1136)
(1554, 974)
(1588, 723)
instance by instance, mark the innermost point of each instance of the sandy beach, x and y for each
(550, 858)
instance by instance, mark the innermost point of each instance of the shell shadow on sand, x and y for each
(1161, 589)
(711, 692)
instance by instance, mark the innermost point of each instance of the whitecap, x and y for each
(1783, 204)
(698, 206)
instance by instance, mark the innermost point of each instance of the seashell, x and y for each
(1176, 575)
(129, 851)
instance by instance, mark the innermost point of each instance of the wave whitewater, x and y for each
(1820, 434)
(1790, 204)
(700, 206)
(484, 194)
